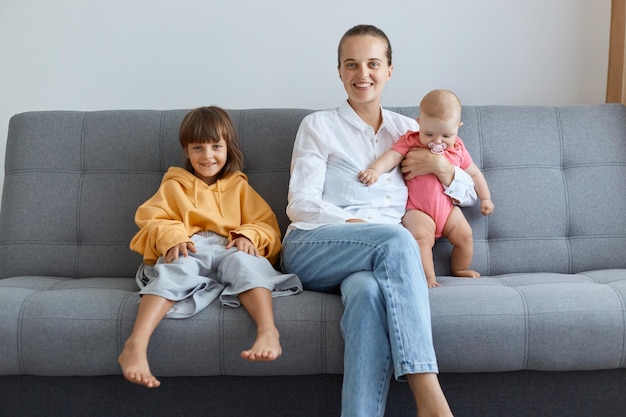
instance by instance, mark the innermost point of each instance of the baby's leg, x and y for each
(134, 357)
(422, 227)
(459, 233)
(258, 303)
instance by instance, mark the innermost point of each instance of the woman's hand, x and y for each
(243, 244)
(176, 251)
(421, 161)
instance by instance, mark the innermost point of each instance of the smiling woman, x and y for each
(364, 68)
(386, 321)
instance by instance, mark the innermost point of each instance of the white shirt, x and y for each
(330, 149)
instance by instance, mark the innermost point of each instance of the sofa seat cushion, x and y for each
(531, 321)
(69, 327)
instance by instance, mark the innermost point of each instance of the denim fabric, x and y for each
(386, 322)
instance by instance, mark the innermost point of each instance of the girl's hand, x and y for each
(243, 244)
(176, 251)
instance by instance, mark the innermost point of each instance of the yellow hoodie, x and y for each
(185, 205)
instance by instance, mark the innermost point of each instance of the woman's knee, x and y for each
(397, 239)
(361, 288)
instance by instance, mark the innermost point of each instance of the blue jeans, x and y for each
(386, 322)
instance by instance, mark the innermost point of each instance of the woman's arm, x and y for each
(308, 176)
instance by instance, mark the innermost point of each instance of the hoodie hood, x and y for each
(192, 184)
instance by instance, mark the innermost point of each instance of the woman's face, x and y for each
(363, 68)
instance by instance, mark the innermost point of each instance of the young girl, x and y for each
(206, 234)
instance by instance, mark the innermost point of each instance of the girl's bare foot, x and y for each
(466, 273)
(266, 347)
(134, 364)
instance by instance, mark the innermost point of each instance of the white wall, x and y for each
(163, 54)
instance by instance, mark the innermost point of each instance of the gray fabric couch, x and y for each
(542, 333)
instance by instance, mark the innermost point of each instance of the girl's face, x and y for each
(363, 69)
(437, 131)
(207, 159)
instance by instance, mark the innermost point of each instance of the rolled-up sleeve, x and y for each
(461, 190)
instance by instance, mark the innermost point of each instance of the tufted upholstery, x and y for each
(553, 256)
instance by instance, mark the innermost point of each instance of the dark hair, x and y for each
(209, 125)
(364, 30)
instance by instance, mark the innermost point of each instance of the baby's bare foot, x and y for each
(432, 282)
(134, 364)
(466, 273)
(266, 347)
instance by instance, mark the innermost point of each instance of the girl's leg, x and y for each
(253, 282)
(459, 234)
(258, 303)
(422, 227)
(134, 357)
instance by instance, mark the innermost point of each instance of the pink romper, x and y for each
(426, 193)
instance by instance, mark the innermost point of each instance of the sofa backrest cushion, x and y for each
(73, 181)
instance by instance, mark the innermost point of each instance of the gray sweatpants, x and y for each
(213, 271)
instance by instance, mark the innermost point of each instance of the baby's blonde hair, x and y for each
(441, 104)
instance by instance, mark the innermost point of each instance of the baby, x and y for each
(430, 212)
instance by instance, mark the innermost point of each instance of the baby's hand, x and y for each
(368, 176)
(486, 206)
(244, 244)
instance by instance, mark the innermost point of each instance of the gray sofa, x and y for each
(542, 333)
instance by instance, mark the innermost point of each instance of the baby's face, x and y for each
(437, 131)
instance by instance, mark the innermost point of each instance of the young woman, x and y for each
(347, 235)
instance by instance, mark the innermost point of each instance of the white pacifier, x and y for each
(437, 148)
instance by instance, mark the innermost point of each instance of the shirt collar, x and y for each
(347, 113)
